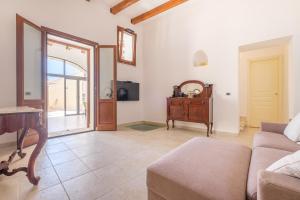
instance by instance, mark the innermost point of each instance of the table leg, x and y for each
(42, 140)
(20, 143)
(173, 123)
(167, 124)
(208, 126)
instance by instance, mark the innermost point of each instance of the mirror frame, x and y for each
(204, 86)
(192, 81)
(120, 45)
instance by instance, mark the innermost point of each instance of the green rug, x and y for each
(145, 127)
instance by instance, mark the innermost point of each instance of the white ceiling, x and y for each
(137, 8)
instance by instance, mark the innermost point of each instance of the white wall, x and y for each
(91, 20)
(218, 28)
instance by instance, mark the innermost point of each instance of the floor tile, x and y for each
(53, 193)
(48, 178)
(26, 190)
(61, 157)
(135, 189)
(78, 143)
(56, 148)
(70, 169)
(98, 160)
(86, 187)
(53, 141)
(42, 162)
(113, 175)
(87, 150)
(113, 195)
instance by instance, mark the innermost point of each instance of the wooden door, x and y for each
(31, 75)
(265, 92)
(106, 95)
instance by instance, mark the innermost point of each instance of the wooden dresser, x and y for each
(196, 107)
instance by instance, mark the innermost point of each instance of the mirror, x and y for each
(191, 89)
(106, 73)
(126, 46)
(32, 63)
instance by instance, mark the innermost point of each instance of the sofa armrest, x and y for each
(273, 127)
(275, 186)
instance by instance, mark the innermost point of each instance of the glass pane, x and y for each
(74, 70)
(106, 73)
(82, 96)
(56, 96)
(127, 51)
(71, 96)
(32, 63)
(55, 66)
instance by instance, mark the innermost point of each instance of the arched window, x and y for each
(62, 67)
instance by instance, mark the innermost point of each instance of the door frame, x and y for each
(280, 85)
(80, 40)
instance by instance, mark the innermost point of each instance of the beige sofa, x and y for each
(209, 169)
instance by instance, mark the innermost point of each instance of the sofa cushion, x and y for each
(289, 165)
(273, 140)
(261, 159)
(202, 168)
(292, 131)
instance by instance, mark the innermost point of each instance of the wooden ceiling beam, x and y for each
(122, 5)
(155, 11)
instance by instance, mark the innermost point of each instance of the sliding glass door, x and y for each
(76, 96)
(67, 86)
(72, 94)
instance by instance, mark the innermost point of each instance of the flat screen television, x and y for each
(128, 91)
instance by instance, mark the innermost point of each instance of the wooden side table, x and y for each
(22, 119)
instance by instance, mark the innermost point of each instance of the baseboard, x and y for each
(190, 128)
(155, 123)
(141, 122)
(130, 123)
(185, 127)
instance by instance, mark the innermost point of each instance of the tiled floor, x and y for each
(98, 165)
(64, 123)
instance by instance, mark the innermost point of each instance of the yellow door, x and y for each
(264, 96)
